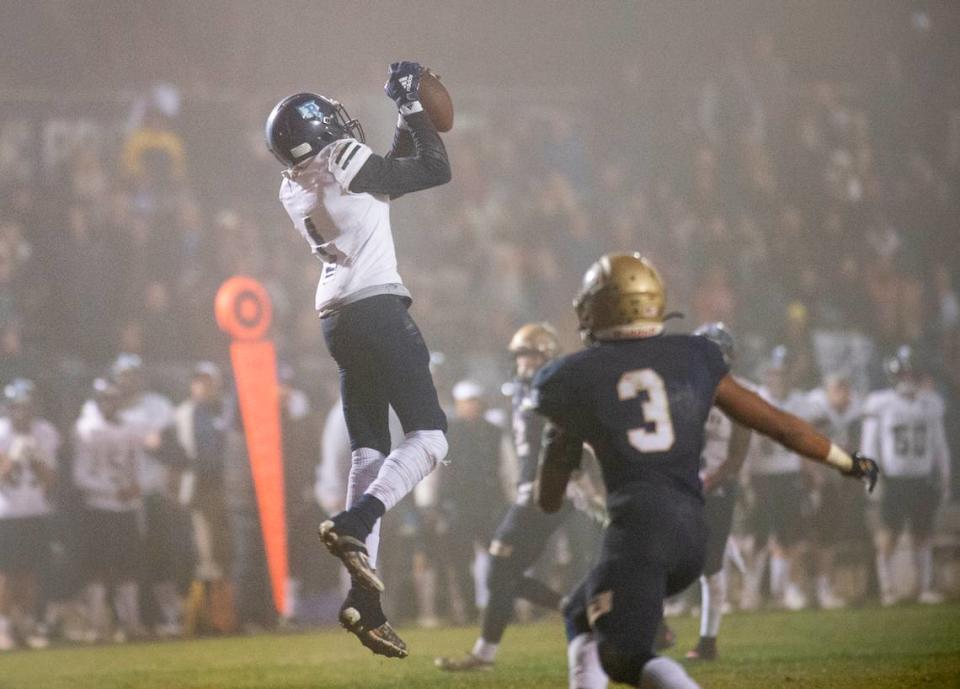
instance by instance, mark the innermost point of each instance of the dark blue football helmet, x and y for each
(302, 124)
(720, 336)
(20, 391)
(903, 362)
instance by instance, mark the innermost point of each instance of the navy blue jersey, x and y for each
(641, 404)
(527, 432)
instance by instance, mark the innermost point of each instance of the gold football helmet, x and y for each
(532, 346)
(622, 297)
(535, 338)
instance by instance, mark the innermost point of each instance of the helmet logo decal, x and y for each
(310, 110)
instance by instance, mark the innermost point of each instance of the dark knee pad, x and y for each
(623, 665)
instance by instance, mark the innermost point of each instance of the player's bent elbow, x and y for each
(441, 174)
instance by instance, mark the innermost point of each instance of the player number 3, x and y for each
(656, 434)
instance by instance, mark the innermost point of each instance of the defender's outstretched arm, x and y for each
(751, 410)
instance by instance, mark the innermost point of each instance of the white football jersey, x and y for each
(349, 232)
(839, 426)
(905, 435)
(22, 494)
(106, 460)
(717, 432)
(767, 456)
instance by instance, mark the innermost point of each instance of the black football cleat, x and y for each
(706, 649)
(382, 639)
(353, 553)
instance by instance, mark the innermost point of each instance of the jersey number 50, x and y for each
(656, 433)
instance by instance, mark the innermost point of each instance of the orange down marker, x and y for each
(244, 311)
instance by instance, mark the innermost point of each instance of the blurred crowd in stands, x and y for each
(810, 212)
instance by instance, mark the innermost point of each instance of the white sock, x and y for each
(365, 464)
(779, 575)
(168, 601)
(883, 575)
(824, 589)
(754, 575)
(664, 673)
(583, 664)
(126, 601)
(713, 591)
(481, 570)
(923, 557)
(293, 598)
(425, 589)
(53, 613)
(407, 465)
(484, 650)
(97, 614)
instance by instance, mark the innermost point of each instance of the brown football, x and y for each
(436, 101)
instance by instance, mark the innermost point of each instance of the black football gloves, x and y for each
(865, 468)
(403, 84)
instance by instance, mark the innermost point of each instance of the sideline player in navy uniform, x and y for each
(337, 192)
(525, 530)
(640, 399)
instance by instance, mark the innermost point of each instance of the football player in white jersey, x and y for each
(106, 467)
(149, 414)
(777, 481)
(337, 192)
(28, 470)
(904, 428)
(838, 515)
(724, 451)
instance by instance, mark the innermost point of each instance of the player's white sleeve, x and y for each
(346, 159)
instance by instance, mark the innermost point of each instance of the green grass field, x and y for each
(896, 648)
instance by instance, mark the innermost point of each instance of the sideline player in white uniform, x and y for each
(778, 484)
(904, 428)
(836, 411)
(28, 470)
(337, 192)
(149, 414)
(106, 468)
(724, 451)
